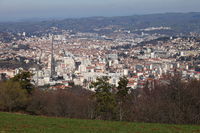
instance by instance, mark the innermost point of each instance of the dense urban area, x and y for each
(82, 57)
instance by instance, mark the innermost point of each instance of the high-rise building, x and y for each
(53, 73)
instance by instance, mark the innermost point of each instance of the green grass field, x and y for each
(19, 123)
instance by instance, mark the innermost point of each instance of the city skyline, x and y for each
(15, 10)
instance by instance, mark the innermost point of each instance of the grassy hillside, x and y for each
(11, 123)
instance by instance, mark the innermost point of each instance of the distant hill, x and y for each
(179, 22)
(18, 123)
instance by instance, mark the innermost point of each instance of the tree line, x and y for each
(171, 100)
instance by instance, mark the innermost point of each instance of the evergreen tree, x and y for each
(122, 95)
(24, 79)
(105, 104)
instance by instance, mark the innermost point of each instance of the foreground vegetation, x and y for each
(11, 123)
(169, 101)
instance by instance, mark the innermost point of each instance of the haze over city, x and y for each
(12, 10)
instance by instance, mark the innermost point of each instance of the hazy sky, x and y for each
(24, 9)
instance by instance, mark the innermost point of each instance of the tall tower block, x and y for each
(52, 59)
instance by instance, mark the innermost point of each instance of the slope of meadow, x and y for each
(34, 124)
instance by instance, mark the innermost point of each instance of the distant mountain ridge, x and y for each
(179, 22)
